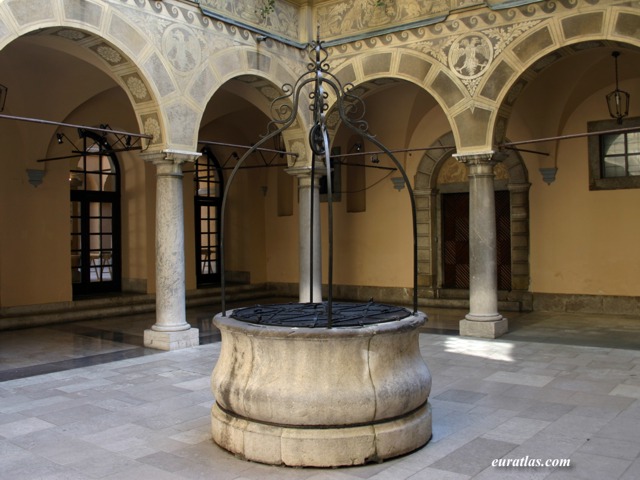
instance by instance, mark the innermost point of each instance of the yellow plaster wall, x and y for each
(582, 241)
(34, 223)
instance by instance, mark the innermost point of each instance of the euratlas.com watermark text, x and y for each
(531, 462)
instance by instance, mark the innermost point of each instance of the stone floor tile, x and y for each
(392, 473)
(504, 401)
(435, 474)
(513, 473)
(142, 472)
(609, 447)
(11, 417)
(193, 437)
(35, 467)
(516, 430)
(165, 461)
(632, 391)
(480, 386)
(84, 385)
(23, 427)
(461, 396)
(546, 411)
(547, 447)
(55, 445)
(102, 464)
(575, 426)
(74, 414)
(605, 413)
(520, 379)
(633, 411)
(591, 466)
(474, 456)
(602, 387)
(599, 400)
(621, 428)
(545, 394)
(633, 472)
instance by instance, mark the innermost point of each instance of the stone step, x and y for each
(463, 303)
(116, 305)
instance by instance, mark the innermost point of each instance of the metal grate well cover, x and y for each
(314, 315)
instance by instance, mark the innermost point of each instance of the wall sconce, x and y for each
(398, 183)
(618, 100)
(548, 174)
(35, 176)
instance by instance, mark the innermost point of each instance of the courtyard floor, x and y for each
(86, 400)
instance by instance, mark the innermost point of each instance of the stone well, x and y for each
(321, 397)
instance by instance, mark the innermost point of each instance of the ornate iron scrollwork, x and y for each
(321, 85)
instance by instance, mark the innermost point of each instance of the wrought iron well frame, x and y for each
(351, 110)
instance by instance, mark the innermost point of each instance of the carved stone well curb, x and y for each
(320, 397)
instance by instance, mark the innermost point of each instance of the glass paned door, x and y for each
(95, 219)
(93, 252)
(208, 199)
(208, 239)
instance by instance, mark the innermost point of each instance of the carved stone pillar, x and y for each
(171, 330)
(483, 319)
(310, 288)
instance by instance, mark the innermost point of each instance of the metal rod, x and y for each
(312, 233)
(528, 151)
(248, 147)
(400, 150)
(247, 167)
(71, 125)
(259, 166)
(379, 167)
(327, 159)
(570, 136)
(77, 153)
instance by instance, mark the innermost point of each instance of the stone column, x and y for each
(310, 288)
(483, 319)
(171, 330)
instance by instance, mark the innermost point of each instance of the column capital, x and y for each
(169, 162)
(169, 155)
(478, 158)
(304, 171)
(304, 175)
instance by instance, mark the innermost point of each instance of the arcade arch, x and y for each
(62, 75)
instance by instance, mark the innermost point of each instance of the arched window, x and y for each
(209, 188)
(94, 182)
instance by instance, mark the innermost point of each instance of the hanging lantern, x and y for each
(618, 100)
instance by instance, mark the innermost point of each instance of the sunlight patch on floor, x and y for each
(491, 350)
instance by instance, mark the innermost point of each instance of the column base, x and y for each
(484, 329)
(171, 340)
